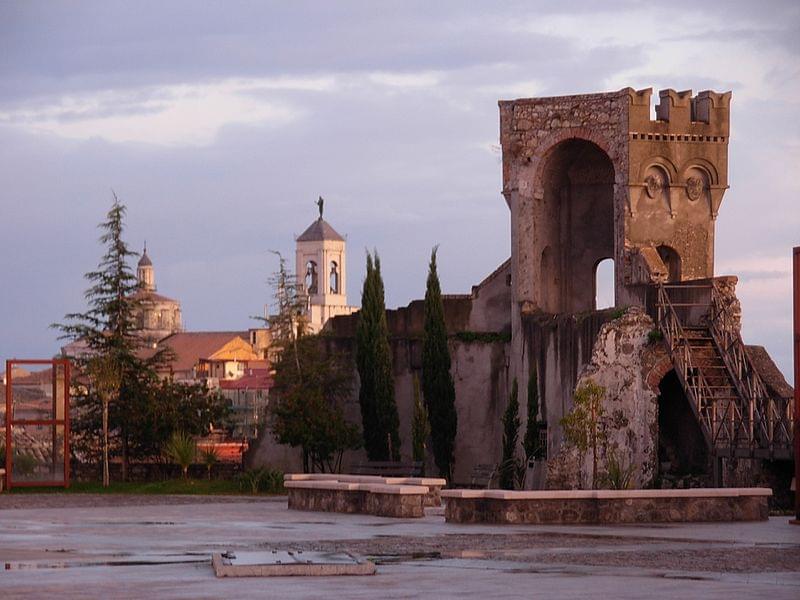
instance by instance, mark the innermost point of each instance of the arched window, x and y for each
(334, 279)
(604, 284)
(311, 277)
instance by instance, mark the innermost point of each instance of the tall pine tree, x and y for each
(108, 330)
(379, 416)
(437, 382)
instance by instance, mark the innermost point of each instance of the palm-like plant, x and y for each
(181, 450)
(209, 457)
(105, 375)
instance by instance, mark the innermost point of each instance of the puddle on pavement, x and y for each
(116, 560)
(136, 523)
(390, 559)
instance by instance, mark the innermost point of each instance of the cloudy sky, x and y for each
(219, 123)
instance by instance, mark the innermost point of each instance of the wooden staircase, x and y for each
(736, 413)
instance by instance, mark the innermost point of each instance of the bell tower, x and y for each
(145, 272)
(321, 267)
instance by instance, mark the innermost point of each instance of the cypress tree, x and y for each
(533, 448)
(379, 417)
(511, 423)
(420, 427)
(437, 382)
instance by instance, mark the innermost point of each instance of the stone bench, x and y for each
(434, 484)
(606, 506)
(379, 499)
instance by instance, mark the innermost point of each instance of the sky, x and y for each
(218, 124)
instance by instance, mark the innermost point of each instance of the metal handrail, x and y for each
(774, 425)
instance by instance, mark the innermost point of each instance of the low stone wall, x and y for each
(382, 500)
(606, 506)
(434, 484)
(343, 500)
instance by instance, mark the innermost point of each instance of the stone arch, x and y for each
(657, 373)
(672, 260)
(663, 163)
(702, 164)
(574, 221)
(550, 143)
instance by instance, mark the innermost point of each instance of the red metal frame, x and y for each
(10, 422)
(797, 381)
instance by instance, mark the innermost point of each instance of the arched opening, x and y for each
(575, 220)
(682, 448)
(311, 277)
(604, 284)
(334, 278)
(672, 260)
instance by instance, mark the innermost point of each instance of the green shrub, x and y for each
(654, 336)
(617, 477)
(24, 464)
(261, 479)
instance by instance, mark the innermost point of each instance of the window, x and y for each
(604, 284)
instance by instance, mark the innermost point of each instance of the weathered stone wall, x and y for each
(557, 347)
(622, 360)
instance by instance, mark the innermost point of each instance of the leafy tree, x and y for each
(310, 383)
(583, 426)
(532, 444)
(437, 382)
(511, 424)
(310, 386)
(379, 417)
(420, 427)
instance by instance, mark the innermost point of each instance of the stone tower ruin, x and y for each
(595, 177)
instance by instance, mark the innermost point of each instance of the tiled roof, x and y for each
(318, 231)
(769, 371)
(148, 296)
(145, 260)
(253, 379)
(190, 346)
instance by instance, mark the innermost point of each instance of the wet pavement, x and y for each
(160, 547)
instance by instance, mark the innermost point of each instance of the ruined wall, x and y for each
(558, 347)
(479, 327)
(623, 360)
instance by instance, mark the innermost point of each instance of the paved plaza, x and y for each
(79, 546)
